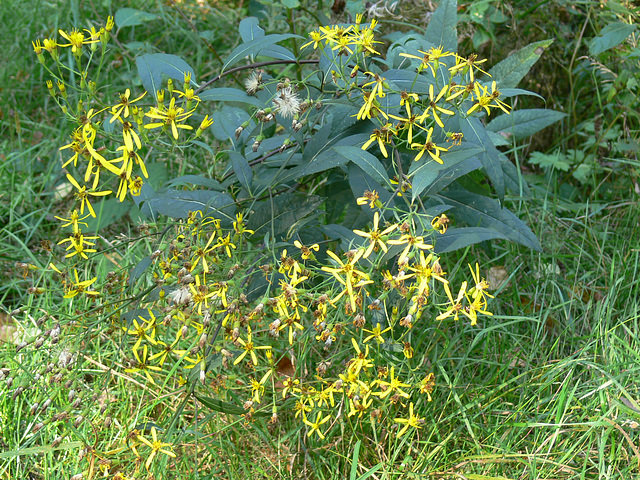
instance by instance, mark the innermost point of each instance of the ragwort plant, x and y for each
(281, 315)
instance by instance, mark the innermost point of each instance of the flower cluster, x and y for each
(410, 122)
(108, 147)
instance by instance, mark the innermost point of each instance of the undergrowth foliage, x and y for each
(246, 297)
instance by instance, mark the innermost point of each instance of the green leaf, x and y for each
(281, 212)
(290, 3)
(138, 270)
(152, 66)
(325, 160)
(366, 161)
(108, 212)
(178, 204)
(474, 132)
(441, 30)
(435, 176)
(250, 29)
(225, 94)
(254, 47)
(485, 212)
(512, 69)
(226, 120)
(340, 232)
(612, 35)
(129, 17)
(242, 170)
(524, 123)
(196, 180)
(512, 92)
(360, 181)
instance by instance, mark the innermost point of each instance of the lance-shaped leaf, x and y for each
(152, 66)
(360, 181)
(226, 94)
(254, 47)
(474, 132)
(512, 69)
(457, 238)
(366, 161)
(178, 204)
(250, 29)
(129, 17)
(524, 123)
(242, 169)
(433, 177)
(279, 213)
(479, 211)
(612, 35)
(442, 26)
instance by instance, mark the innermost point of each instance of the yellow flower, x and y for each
(204, 124)
(144, 330)
(249, 349)
(200, 294)
(121, 109)
(170, 117)
(428, 146)
(370, 197)
(376, 333)
(156, 447)
(468, 64)
(76, 40)
(83, 195)
(412, 421)
(479, 290)
(434, 108)
(430, 58)
(307, 251)
(316, 39)
(410, 241)
(375, 237)
(351, 276)
(74, 221)
(315, 426)
(80, 287)
(142, 364)
(383, 136)
(394, 386)
(361, 361)
(455, 305)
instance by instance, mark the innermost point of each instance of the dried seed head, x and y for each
(65, 359)
(18, 392)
